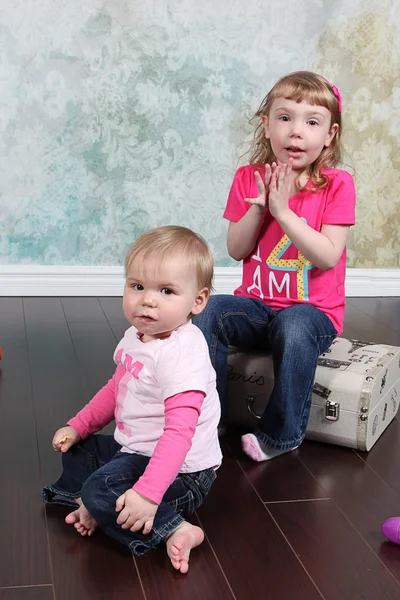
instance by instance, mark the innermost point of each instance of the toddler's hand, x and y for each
(263, 188)
(64, 438)
(135, 511)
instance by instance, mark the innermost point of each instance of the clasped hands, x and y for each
(135, 511)
(274, 191)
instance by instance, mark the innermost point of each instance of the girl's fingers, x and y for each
(282, 173)
(273, 180)
(278, 174)
(268, 173)
(260, 184)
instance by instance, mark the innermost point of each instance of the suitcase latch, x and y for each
(332, 410)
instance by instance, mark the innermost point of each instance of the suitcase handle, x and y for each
(249, 403)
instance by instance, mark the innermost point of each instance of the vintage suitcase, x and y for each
(356, 392)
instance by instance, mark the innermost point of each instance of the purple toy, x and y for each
(391, 529)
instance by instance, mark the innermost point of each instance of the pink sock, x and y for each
(258, 451)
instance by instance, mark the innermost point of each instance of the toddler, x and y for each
(139, 485)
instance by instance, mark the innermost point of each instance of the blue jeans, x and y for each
(98, 472)
(296, 336)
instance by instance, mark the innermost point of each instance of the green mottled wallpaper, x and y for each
(121, 115)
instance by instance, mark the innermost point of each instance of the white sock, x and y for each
(259, 451)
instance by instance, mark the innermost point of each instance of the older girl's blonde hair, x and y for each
(313, 89)
(170, 241)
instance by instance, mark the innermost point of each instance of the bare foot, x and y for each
(81, 519)
(180, 543)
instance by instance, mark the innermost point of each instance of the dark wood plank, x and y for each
(284, 478)
(89, 568)
(338, 560)
(204, 580)
(27, 593)
(82, 309)
(94, 345)
(350, 332)
(359, 493)
(370, 329)
(383, 310)
(84, 568)
(23, 542)
(382, 457)
(112, 308)
(250, 549)
(56, 380)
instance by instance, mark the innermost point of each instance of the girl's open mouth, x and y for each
(294, 151)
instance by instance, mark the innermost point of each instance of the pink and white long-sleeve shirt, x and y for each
(165, 403)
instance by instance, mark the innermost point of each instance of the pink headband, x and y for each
(336, 92)
(338, 96)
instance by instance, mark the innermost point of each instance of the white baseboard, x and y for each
(372, 282)
(34, 280)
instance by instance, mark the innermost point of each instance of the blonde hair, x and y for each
(313, 89)
(172, 240)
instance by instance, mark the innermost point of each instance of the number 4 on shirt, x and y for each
(300, 264)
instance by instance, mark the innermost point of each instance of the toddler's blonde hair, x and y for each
(170, 241)
(313, 89)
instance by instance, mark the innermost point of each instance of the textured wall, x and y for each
(120, 115)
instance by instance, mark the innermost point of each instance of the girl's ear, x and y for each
(264, 120)
(200, 301)
(331, 134)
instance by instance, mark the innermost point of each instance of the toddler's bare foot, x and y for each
(81, 519)
(180, 543)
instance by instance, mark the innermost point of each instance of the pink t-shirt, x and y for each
(275, 271)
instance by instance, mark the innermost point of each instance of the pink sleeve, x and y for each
(99, 411)
(340, 208)
(243, 186)
(181, 415)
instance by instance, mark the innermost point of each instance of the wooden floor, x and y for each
(301, 527)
